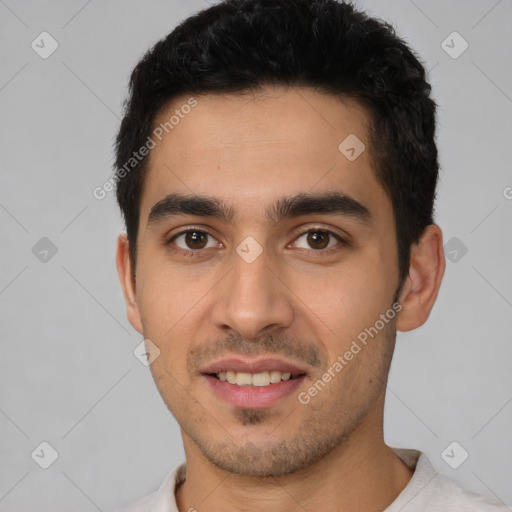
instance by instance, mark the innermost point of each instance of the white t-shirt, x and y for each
(427, 491)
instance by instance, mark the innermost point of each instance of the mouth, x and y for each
(260, 379)
(253, 384)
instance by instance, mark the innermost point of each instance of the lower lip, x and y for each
(253, 397)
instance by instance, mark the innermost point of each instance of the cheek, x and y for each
(346, 299)
(168, 303)
(167, 294)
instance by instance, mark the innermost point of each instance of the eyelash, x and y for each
(315, 252)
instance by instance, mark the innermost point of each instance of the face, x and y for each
(264, 255)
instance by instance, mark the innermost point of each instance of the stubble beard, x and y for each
(320, 434)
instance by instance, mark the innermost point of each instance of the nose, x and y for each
(252, 300)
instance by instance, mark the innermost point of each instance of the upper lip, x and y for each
(252, 366)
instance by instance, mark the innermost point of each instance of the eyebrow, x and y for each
(333, 203)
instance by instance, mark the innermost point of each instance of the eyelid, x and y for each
(184, 231)
(342, 236)
(317, 227)
(302, 230)
(344, 240)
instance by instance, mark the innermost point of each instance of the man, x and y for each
(276, 170)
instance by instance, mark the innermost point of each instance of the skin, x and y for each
(248, 151)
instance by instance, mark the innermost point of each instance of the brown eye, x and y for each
(196, 239)
(317, 240)
(192, 240)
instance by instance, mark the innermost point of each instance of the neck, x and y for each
(362, 474)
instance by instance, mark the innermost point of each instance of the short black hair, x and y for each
(246, 45)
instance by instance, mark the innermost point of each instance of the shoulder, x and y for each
(161, 500)
(449, 495)
(430, 491)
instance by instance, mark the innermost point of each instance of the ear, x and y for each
(426, 270)
(124, 270)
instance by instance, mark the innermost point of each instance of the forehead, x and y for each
(246, 148)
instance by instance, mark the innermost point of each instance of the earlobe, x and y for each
(421, 287)
(124, 270)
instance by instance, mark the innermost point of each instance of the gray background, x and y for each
(67, 369)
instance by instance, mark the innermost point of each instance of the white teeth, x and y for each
(261, 379)
(275, 377)
(243, 379)
(253, 379)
